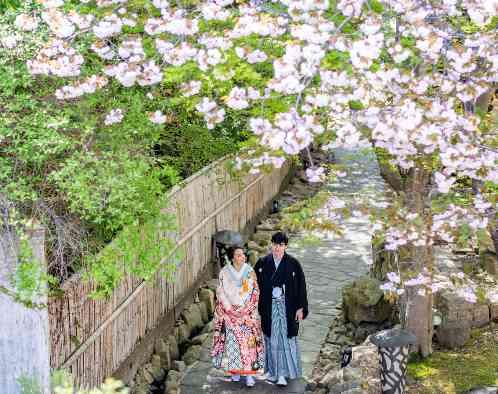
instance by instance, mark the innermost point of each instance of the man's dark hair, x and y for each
(231, 251)
(279, 238)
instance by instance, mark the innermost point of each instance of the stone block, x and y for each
(355, 390)
(331, 378)
(487, 254)
(451, 335)
(266, 226)
(179, 366)
(483, 390)
(207, 297)
(346, 387)
(254, 246)
(142, 389)
(212, 284)
(199, 339)
(366, 358)
(156, 369)
(161, 348)
(489, 263)
(262, 238)
(207, 328)
(192, 318)
(144, 375)
(480, 315)
(192, 354)
(454, 308)
(204, 312)
(174, 351)
(182, 333)
(493, 312)
(172, 381)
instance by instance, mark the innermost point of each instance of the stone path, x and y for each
(328, 266)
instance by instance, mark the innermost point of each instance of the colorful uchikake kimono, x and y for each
(238, 342)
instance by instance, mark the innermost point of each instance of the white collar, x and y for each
(238, 274)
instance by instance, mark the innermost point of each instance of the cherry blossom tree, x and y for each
(410, 78)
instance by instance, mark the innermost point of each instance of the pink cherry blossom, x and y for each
(315, 174)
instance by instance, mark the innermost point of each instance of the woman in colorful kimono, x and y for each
(238, 342)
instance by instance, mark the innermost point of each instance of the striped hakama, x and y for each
(282, 354)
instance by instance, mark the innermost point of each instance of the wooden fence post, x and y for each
(24, 331)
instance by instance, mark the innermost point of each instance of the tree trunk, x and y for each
(416, 308)
(482, 102)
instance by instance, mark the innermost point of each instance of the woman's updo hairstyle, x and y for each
(231, 251)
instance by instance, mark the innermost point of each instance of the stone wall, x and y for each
(360, 376)
(24, 333)
(174, 351)
(459, 317)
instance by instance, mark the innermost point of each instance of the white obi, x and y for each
(278, 293)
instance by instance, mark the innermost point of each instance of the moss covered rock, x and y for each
(487, 254)
(363, 301)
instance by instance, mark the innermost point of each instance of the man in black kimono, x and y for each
(283, 303)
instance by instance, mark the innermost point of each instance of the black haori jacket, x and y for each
(289, 274)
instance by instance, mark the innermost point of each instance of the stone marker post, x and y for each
(393, 347)
(24, 332)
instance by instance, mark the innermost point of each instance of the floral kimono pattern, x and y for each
(238, 346)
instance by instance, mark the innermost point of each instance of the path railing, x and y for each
(92, 338)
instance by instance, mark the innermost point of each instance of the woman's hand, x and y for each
(299, 314)
(236, 311)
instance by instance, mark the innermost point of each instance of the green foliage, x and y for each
(184, 73)
(376, 6)
(29, 281)
(29, 385)
(64, 166)
(491, 188)
(63, 383)
(109, 191)
(336, 60)
(384, 158)
(189, 147)
(408, 42)
(141, 249)
(356, 105)
(215, 25)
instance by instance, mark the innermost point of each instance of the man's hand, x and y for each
(299, 314)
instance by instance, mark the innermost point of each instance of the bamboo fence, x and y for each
(91, 338)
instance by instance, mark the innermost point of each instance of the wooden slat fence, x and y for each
(91, 338)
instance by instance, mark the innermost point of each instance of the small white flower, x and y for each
(256, 57)
(115, 116)
(393, 277)
(191, 88)
(10, 42)
(443, 183)
(315, 174)
(157, 117)
(26, 22)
